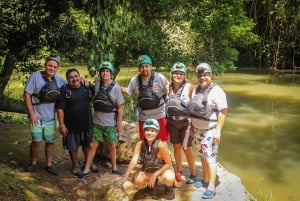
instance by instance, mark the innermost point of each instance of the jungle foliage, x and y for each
(261, 34)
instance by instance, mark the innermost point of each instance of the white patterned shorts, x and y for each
(205, 145)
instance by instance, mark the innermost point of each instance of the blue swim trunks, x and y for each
(45, 131)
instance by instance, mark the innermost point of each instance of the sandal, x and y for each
(178, 175)
(201, 183)
(208, 194)
(191, 180)
(30, 168)
(51, 170)
(118, 172)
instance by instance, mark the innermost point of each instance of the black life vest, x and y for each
(198, 107)
(147, 98)
(103, 101)
(176, 106)
(149, 159)
(49, 92)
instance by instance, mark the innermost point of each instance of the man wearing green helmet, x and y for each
(179, 123)
(108, 116)
(151, 88)
(155, 159)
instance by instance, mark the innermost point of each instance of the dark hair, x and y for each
(70, 71)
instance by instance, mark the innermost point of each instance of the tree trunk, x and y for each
(12, 105)
(8, 67)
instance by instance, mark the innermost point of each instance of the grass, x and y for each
(16, 186)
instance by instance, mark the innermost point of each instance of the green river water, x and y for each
(261, 139)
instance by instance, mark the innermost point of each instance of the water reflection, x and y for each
(261, 138)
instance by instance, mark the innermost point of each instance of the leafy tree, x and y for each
(27, 28)
(278, 25)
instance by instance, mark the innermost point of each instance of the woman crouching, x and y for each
(155, 159)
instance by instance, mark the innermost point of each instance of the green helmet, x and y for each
(144, 59)
(151, 123)
(178, 66)
(106, 65)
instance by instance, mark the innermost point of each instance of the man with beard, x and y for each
(151, 89)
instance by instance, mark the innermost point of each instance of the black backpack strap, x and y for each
(108, 90)
(150, 83)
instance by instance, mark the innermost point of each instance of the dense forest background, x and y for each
(262, 35)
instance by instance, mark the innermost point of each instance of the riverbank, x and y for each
(40, 186)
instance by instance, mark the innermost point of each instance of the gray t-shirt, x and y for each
(109, 119)
(34, 84)
(159, 87)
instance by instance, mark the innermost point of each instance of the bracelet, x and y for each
(62, 126)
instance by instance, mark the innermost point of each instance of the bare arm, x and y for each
(221, 121)
(133, 162)
(62, 127)
(120, 119)
(124, 90)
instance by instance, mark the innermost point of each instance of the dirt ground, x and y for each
(14, 153)
(15, 184)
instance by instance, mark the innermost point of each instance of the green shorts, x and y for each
(105, 134)
(45, 130)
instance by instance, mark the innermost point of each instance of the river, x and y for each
(261, 139)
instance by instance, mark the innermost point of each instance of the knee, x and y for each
(93, 146)
(188, 150)
(112, 146)
(168, 177)
(139, 179)
(177, 146)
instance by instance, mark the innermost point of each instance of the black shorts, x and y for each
(72, 141)
(179, 133)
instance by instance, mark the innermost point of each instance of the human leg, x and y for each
(209, 164)
(113, 155)
(90, 156)
(75, 164)
(36, 138)
(190, 159)
(205, 169)
(49, 136)
(34, 151)
(168, 178)
(49, 149)
(177, 156)
(140, 178)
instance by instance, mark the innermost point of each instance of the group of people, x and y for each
(175, 111)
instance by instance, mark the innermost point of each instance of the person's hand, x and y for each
(121, 179)
(120, 127)
(152, 180)
(217, 136)
(63, 130)
(84, 81)
(34, 120)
